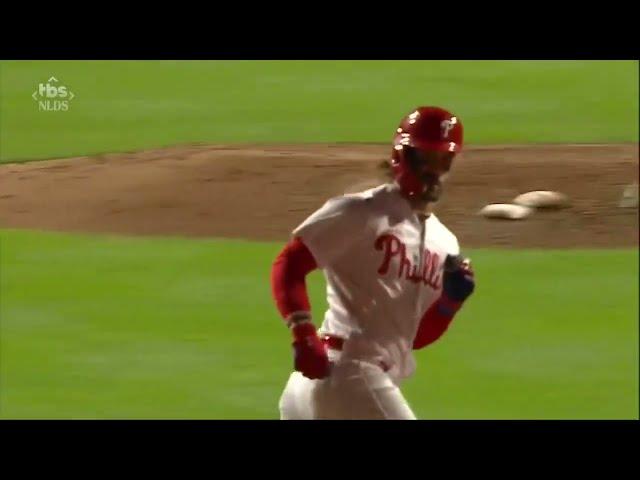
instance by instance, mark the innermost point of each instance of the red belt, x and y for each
(336, 343)
(333, 342)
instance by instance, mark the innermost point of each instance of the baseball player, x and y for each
(395, 280)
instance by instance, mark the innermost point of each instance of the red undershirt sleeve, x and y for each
(435, 322)
(288, 285)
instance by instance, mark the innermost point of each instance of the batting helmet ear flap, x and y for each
(403, 174)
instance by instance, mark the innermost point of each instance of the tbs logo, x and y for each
(52, 97)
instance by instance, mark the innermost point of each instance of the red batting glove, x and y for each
(309, 353)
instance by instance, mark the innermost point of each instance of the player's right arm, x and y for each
(288, 286)
(321, 240)
(288, 281)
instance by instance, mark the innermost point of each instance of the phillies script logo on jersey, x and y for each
(393, 247)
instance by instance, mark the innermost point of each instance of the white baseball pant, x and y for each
(355, 390)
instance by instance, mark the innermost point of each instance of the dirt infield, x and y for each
(262, 192)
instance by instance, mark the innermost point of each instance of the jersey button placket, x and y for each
(423, 228)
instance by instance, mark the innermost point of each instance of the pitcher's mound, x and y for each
(262, 192)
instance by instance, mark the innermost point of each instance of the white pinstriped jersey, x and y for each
(383, 266)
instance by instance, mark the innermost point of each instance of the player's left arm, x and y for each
(458, 283)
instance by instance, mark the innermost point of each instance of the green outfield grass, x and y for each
(106, 327)
(131, 105)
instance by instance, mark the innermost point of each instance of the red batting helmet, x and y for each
(425, 129)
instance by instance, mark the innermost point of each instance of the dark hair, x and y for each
(384, 167)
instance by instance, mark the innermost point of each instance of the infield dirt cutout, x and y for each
(261, 192)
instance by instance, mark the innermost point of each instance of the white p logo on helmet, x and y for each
(447, 125)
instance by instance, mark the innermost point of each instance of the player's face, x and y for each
(431, 167)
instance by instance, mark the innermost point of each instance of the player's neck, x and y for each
(421, 209)
(423, 214)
